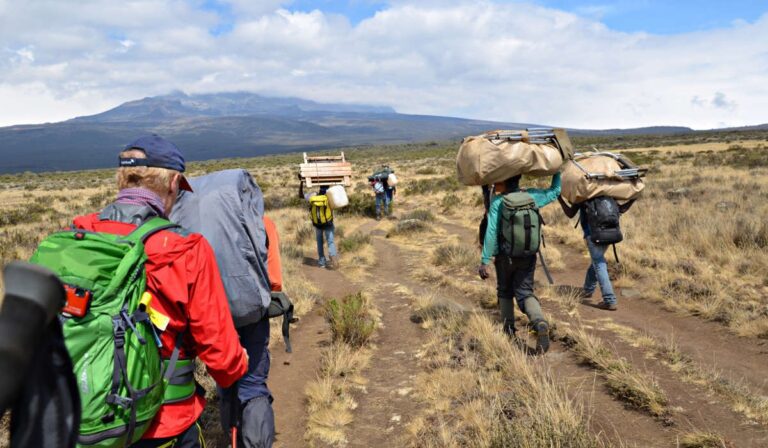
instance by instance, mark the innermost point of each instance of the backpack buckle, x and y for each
(123, 402)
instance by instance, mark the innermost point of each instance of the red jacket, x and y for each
(184, 280)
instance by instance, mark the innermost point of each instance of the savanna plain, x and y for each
(401, 345)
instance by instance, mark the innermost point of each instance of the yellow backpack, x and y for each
(320, 211)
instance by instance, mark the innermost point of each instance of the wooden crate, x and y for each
(326, 171)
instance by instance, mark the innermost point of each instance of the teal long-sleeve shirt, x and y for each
(540, 196)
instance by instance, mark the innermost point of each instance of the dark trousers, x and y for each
(253, 398)
(514, 281)
(191, 438)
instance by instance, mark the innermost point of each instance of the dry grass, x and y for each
(634, 388)
(480, 390)
(741, 398)
(330, 398)
(701, 440)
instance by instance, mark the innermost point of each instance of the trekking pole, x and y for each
(234, 413)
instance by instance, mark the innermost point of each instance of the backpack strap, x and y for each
(615, 254)
(149, 228)
(282, 306)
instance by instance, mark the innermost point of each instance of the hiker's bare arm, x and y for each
(570, 211)
(490, 244)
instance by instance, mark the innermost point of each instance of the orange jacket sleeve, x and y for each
(274, 264)
(210, 322)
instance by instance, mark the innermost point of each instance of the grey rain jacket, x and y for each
(227, 208)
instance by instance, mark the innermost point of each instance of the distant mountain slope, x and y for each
(218, 125)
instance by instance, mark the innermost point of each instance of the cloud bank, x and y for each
(479, 59)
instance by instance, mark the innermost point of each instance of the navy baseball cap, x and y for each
(160, 154)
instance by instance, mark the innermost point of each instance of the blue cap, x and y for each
(160, 154)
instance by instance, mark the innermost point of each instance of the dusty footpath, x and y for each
(386, 405)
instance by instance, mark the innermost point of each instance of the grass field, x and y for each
(695, 248)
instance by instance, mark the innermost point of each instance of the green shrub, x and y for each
(304, 232)
(351, 319)
(354, 242)
(426, 170)
(360, 204)
(277, 202)
(407, 227)
(424, 186)
(419, 214)
(454, 255)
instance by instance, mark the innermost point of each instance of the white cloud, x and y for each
(480, 59)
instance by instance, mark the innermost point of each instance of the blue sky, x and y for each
(651, 16)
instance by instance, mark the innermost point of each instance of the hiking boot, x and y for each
(607, 306)
(584, 295)
(542, 337)
(321, 262)
(333, 264)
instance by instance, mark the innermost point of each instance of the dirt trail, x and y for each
(708, 344)
(387, 406)
(290, 372)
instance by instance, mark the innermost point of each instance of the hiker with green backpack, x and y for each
(144, 299)
(513, 237)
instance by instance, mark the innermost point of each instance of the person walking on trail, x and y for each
(184, 281)
(322, 219)
(514, 275)
(382, 200)
(597, 273)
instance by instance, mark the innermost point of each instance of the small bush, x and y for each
(354, 242)
(420, 214)
(351, 319)
(702, 440)
(30, 213)
(291, 251)
(360, 204)
(746, 234)
(454, 255)
(407, 227)
(424, 186)
(451, 202)
(426, 170)
(277, 202)
(304, 232)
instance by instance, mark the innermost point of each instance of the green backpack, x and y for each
(519, 226)
(109, 335)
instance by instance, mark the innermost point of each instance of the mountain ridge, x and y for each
(237, 124)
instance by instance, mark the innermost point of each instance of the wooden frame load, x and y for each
(326, 171)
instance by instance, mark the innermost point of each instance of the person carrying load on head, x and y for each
(597, 273)
(321, 216)
(379, 190)
(172, 306)
(513, 236)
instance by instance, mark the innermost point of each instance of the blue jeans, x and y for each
(598, 272)
(381, 198)
(326, 232)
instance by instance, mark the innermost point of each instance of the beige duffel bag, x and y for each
(498, 155)
(591, 175)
